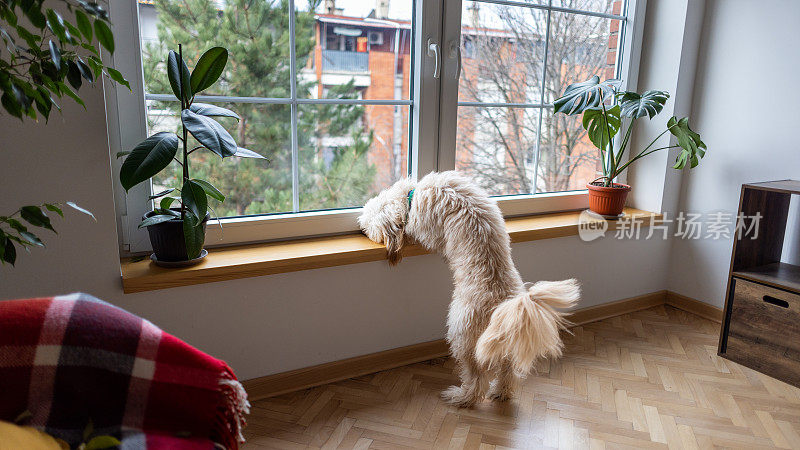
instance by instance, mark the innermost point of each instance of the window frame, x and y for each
(432, 127)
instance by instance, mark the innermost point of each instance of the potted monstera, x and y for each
(603, 108)
(176, 225)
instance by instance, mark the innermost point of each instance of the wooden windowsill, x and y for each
(254, 260)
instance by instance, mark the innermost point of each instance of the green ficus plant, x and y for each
(49, 56)
(14, 228)
(158, 151)
(602, 120)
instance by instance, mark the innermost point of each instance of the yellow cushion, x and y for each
(15, 437)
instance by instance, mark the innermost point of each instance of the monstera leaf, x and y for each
(598, 128)
(589, 94)
(650, 103)
(692, 147)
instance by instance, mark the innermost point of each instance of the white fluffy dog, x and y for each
(497, 326)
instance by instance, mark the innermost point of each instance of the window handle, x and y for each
(433, 50)
(455, 52)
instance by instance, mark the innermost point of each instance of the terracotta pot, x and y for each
(608, 201)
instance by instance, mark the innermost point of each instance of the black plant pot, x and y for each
(167, 238)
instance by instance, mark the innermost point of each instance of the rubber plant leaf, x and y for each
(204, 109)
(209, 133)
(148, 158)
(208, 68)
(175, 69)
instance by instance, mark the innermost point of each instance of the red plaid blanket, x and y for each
(71, 359)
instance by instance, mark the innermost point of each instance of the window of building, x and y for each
(341, 97)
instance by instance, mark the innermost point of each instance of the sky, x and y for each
(398, 9)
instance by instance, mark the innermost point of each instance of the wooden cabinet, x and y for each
(761, 323)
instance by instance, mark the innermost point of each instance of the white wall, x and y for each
(745, 108)
(280, 322)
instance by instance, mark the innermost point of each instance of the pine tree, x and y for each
(256, 34)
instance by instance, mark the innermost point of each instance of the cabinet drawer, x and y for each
(764, 330)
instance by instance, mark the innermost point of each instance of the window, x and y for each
(345, 97)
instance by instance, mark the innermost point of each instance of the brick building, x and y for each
(374, 53)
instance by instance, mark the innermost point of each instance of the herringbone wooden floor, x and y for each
(641, 380)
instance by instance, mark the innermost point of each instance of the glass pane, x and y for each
(497, 147)
(502, 50)
(355, 50)
(603, 6)
(251, 186)
(350, 152)
(580, 46)
(256, 35)
(567, 159)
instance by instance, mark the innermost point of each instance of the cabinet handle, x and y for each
(776, 301)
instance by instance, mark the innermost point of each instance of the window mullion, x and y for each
(425, 117)
(293, 95)
(536, 157)
(448, 100)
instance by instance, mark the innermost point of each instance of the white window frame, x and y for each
(432, 128)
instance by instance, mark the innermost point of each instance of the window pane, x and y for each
(256, 35)
(567, 159)
(580, 46)
(502, 50)
(251, 186)
(497, 147)
(350, 152)
(355, 51)
(602, 6)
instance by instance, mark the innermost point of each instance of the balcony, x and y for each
(344, 61)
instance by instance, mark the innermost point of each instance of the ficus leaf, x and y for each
(31, 238)
(117, 76)
(104, 35)
(81, 210)
(55, 54)
(54, 208)
(208, 68)
(36, 217)
(9, 252)
(84, 25)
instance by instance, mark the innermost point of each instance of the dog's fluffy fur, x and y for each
(497, 326)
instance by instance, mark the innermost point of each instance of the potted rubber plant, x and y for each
(177, 223)
(603, 108)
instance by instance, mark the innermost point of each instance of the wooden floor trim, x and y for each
(694, 306)
(617, 308)
(295, 380)
(243, 261)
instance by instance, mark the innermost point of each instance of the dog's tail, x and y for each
(526, 327)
